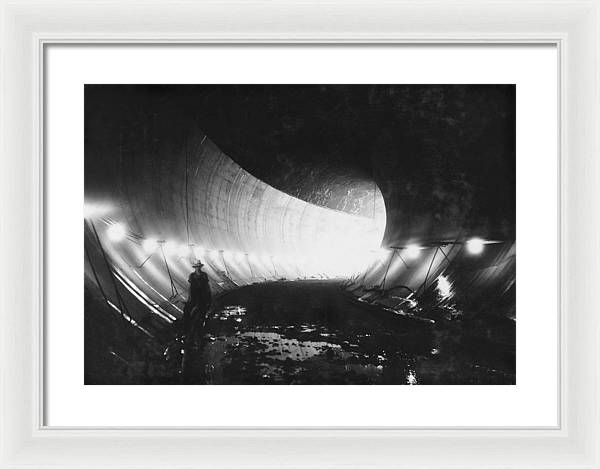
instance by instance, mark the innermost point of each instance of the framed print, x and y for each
(313, 272)
(253, 273)
(238, 235)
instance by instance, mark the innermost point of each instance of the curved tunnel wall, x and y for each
(154, 222)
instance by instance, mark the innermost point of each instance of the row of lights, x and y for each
(116, 232)
(474, 246)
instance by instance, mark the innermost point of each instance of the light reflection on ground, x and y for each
(313, 332)
(310, 333)
(277, 358)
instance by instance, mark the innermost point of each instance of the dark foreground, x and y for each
(306, 332)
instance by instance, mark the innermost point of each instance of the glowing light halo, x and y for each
(198, 252)
(184, 250)
(169, 247)
(149, 245)
(475, 246)
(94, 210)
(381, 254)
(412, 251)
(116, 232)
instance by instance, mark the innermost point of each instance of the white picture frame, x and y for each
(27, 27)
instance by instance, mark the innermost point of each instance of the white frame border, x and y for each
(28, 26)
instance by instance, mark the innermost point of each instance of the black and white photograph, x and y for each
(300, 234)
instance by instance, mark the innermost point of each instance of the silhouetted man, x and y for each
(199, 298)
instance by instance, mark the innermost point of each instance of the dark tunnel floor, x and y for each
(312, 332)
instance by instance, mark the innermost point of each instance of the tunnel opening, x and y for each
(242, 229)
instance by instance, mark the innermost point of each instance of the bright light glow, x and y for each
(184, 250)
(116, 232)
(329, 243)
(239, 256)
(382, 254)
(149, 245)
(169, 247)
(412, 251)
(475, 246)
(94, 210)
(444, 287)
(198, 252)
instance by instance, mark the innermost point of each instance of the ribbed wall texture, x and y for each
(204, 206)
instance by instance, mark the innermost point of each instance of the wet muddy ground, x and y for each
(307, 332)
(312, 332)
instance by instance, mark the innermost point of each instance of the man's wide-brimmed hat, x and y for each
(197, 264)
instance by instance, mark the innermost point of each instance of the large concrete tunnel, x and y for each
(249, 183)
(211, 209)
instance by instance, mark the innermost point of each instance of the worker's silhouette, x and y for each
(194, 319)
(199, 298)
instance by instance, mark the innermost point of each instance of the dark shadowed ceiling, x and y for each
(443, 156)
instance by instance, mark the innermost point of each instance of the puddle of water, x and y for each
(311, 334)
